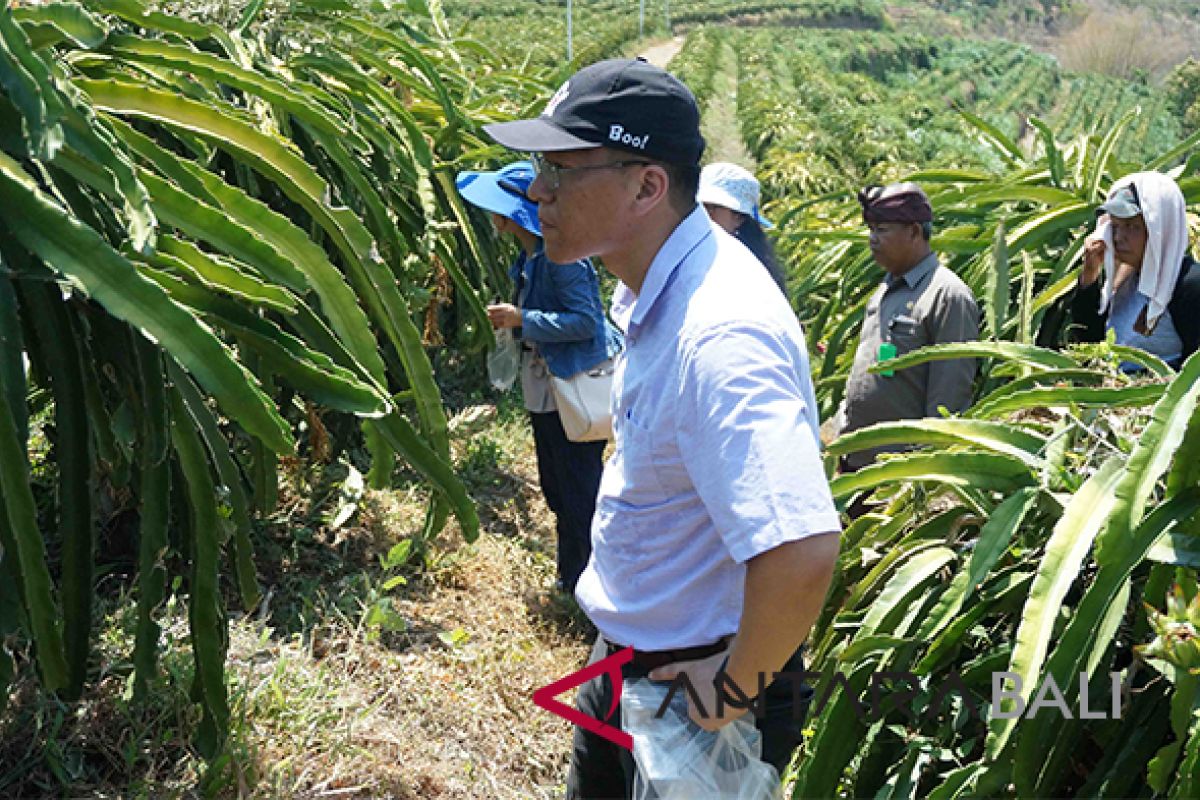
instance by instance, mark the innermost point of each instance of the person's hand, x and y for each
(504, 315)
(1093, 261)
(702, 675)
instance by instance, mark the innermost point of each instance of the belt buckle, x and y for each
(612, 648)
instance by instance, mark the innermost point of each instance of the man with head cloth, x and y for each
(919, 303)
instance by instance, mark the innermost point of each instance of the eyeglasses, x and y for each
(552, 173)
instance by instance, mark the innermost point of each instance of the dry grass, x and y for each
(1126, 43)
(442, 709)
(411, 715)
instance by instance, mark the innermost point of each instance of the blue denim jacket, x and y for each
(561, 311)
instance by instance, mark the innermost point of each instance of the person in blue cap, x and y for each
(731, 195)
(557, 316)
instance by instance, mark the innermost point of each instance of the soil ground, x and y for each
(660, 53)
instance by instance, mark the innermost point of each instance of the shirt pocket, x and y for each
(906, 333)
(636, 456)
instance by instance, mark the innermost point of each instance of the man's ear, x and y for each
(654, 189)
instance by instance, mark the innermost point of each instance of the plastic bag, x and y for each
(678, 760)
(504, 362)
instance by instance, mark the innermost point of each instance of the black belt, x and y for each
(653, 659)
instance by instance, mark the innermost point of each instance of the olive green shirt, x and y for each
(927, 305)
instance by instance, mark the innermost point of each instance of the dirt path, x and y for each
(660, 53)
(720, 125)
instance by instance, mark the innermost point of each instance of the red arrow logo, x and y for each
(544, 697)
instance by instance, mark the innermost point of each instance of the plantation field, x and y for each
(265, 531)
(534, 34)
(959, 571)
(872, 105)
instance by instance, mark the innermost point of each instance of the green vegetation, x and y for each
(982, 546)
(1027, 536)
(222, 245)
(979, 557)
(1183, 86)
(1029, 9)
(1046, 13)
(530, 33)
(1182, 8)
(872, 105)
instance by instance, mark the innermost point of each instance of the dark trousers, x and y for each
(570, 476)
(601, 770)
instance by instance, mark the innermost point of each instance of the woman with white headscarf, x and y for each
(1150, 296)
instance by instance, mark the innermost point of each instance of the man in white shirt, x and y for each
(715, 535)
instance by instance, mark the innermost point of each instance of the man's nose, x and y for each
(538, 191)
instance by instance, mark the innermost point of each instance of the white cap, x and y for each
(730, 186)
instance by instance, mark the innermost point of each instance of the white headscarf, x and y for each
(1165, 214)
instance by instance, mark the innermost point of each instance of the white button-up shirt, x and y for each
(717, 450)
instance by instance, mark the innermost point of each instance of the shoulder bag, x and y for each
(583, 403)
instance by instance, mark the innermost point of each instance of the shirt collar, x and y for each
(631, 309)
(917, 274)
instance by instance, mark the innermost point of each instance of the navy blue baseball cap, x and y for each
(504, 193)
(624, 103)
